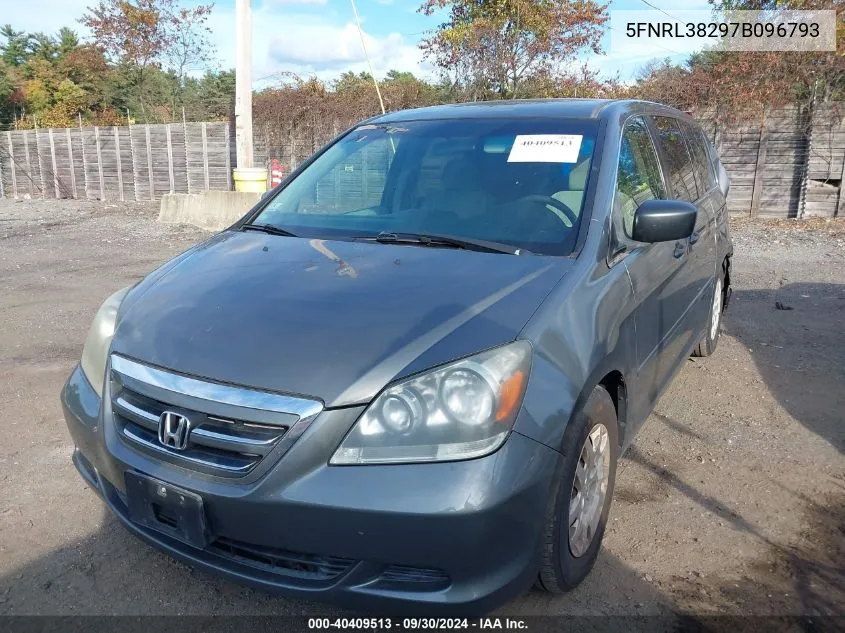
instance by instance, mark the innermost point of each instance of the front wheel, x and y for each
(708, 344)
(580, 501)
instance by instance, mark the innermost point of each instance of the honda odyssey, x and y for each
(404, 379)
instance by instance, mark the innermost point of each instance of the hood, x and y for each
(335, 320)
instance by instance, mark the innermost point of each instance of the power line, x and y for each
(647, 3)
(668, 50)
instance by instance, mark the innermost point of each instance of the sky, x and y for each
(319, 36)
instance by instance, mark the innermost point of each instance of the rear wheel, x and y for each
(579, 503)
(707, 345)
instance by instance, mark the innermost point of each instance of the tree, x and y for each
(738, 84)
(37, 96)
(143, 57)
(674, 85)
(42, 46)
(495, 46)
(130, 32)
(7, 90)
(67, 41)
(16, 49)
(86, 66)
(743, 81)
(144, 35)
(215, 96)
(68, 100)
(190, 48)
(349, 81)
(403, 90)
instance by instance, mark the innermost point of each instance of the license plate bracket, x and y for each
(168, 509)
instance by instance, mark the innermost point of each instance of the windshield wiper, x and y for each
(268, 228)
(448, 241)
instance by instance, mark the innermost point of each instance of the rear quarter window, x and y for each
(704, 175)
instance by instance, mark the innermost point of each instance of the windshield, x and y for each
(519, 183)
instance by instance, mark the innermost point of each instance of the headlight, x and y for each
(462, 410)
(96, 350)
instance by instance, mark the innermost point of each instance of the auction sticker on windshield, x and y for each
(545, 148)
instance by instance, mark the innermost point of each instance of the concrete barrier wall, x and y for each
(210, 210)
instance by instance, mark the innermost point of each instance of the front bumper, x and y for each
(458, 537)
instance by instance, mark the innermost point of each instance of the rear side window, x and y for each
(638, 178)
(679, 165)
(701, 164)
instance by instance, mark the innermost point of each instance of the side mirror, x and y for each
(664, 220)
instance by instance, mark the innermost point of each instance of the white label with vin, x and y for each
(545, 148)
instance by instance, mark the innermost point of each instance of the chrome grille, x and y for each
(230, 445)
(232, 429)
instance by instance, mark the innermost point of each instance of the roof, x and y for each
(517, 108)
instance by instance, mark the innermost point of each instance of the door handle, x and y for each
(694, 238)
(680, 249)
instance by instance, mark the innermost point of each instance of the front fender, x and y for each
(584, 332)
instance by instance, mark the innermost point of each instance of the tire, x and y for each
(562, 570)
(707, 345)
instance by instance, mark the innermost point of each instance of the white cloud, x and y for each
(326, 46)
(305, 44)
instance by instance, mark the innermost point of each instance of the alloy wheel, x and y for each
(717, 310)
(589, 488)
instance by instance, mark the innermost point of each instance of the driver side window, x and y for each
(638, 178)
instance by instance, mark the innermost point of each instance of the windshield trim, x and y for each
(587, 212)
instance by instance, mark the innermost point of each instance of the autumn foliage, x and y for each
(143, 59)
(496, 47)
(137, 66)
(746, 83)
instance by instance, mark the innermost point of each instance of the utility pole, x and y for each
(243, 83)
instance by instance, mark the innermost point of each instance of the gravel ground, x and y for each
(731, 500)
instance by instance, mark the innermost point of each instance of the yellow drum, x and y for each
(251, 179)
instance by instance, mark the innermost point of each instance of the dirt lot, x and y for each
(732, 499)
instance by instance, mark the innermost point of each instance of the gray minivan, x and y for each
(405, 378)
